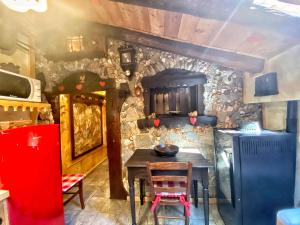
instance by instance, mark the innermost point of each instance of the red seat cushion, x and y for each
(69, 180)
(181, 196)
(170, 184)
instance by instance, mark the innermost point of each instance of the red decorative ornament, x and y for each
(79, 87)
(102, 83)
(193, 120)
(156, 122)
(61, 87)
(138, 91)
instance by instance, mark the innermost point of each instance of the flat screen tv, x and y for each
(266, 85)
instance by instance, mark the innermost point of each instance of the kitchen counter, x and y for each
(4, 194)
(3, 207)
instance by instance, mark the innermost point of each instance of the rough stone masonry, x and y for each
(222, 98)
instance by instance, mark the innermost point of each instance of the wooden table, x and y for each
(136, 166)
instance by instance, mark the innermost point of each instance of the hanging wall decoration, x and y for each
(86, 123)
(137, 90)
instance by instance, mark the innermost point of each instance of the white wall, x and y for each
(23, 56)
(287, 66)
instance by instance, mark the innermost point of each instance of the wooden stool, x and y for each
(68, 182)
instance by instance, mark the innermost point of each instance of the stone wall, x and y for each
(222, 98)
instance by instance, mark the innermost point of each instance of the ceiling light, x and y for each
(288, 7)
(26, 5)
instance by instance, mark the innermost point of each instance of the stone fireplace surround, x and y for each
(222, 98)
(171, 95)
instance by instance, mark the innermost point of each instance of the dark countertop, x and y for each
(140, 156)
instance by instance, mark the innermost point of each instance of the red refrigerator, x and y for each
(30, 170)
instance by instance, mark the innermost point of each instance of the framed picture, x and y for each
(86, 123)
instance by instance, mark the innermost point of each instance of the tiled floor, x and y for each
(100, 210)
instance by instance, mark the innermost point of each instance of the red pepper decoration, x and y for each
(156, 122)
(61, 87)
(102, 83)
(193, 120)
(79, 87)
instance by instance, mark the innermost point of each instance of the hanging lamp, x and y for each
(26, 5)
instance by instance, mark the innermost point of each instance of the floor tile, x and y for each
(101, 210)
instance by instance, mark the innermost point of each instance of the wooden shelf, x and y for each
(177, 121)
(24, 105)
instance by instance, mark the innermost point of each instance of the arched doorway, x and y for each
(87, 82)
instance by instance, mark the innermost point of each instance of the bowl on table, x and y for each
(166, 150)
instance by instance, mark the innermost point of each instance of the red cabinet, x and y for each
(30, 170)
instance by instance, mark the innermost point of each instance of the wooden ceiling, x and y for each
(216, 24)
(252, 39)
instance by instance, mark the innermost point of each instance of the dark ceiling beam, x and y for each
(238, 11)
(225, 58)
(228, 59)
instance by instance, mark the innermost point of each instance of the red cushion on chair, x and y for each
(169, 184)
(69, 180)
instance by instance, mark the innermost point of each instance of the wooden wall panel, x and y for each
(129, 16)
(115, 12)
(172, 24)
(287, 67)
(144, 20)
(87, 162)
(206, 31)
(23, 56)
(274, 115)
(192, 28)
(187, 27)
(257, 41)
(157, 21)
(103, 14)
(82, 9)
(229, 38)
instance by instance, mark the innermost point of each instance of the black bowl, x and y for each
(166, 150)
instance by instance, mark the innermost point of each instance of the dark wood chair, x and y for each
(71, 181)
(170, 185)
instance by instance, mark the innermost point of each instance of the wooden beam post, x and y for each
(114, 101)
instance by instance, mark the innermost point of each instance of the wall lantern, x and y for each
(127, 59)
(26, 5)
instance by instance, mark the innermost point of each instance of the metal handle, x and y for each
(232, 187)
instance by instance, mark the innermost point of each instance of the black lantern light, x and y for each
(127, 59)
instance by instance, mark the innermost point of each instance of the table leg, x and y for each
(195, 192)
(142, 191)
(132, 202)
(205, 197)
